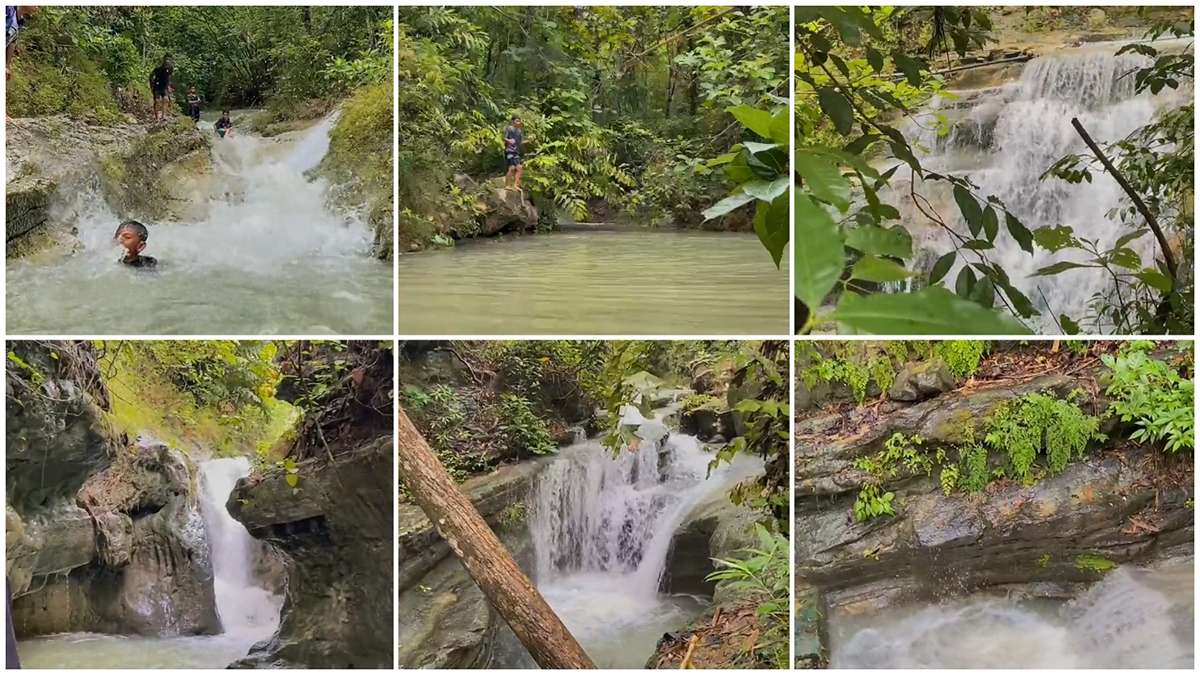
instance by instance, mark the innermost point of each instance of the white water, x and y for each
(602, 528)
(1007, 137)
(1134, 618)
(249, 612)
(263, 254)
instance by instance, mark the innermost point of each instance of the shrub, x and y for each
(1154, 396)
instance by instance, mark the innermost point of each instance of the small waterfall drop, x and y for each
(602, 527)
(245, 605)
(1004, 138)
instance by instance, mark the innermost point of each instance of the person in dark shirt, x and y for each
(160, 87)
(224, 126)
(131, 235)
(193, 104)
(513, 137)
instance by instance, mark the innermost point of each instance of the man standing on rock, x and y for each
(513, 136)
(160, 87)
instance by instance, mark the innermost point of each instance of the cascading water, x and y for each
(249, 611)
(602, 528)
(1133, 618)
(246, 606)
(1005, 138)
(258, 251)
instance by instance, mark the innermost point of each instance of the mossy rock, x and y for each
(138, 183)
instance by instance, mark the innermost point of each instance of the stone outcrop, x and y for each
(445, 620)
(55, 162)
(330, 520)
(497, 209)
(100, 537)
(1049, 539)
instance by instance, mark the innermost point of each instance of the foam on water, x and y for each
(268, 256)
(1133, 618)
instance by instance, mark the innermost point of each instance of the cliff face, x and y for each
(100, 537)
(331, 514)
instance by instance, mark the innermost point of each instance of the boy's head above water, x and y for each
(131, 236)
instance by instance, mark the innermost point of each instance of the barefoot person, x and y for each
(160, 87)
(513, 137)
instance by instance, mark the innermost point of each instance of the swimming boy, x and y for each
(131, 235)
(224, 125)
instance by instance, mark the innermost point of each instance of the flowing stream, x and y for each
(263, 254)
(602, 529)
(1006, 136)
(597, 283)
(1133, 618)
(249, 612)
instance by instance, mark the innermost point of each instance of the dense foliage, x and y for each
(656, 112)
(860, 73)
(94, 62)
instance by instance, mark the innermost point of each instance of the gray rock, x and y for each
(921, 380)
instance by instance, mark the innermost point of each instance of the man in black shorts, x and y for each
(513, 136)
(160, 87)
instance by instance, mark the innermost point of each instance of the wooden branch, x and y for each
(486, 559)
(1168, 257)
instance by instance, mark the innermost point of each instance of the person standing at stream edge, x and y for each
(160, 87)
(513, 137)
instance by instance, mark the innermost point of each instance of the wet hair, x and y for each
(225, 113)
(139, 230)
(516, 118)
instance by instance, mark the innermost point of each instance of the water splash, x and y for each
(1133, 618)
(259, 251)
(1004, 138)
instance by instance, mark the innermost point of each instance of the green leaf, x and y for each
(771, 226)
(941, 267)
(931, 311)
(728, 204)
(838, 108)
(1125, 257)
(875, 59)
(1068, 325)
(965, 282)
(1054, 238)
(1156, 280)
(755, 147)
(895, 241)
(969, 208)
(823, 179)
(879, 270)
(991, 225)
(1019, 232)
(909, 66)
(766, 191)
(1058, 268)
(292, 479)
(781, 127)
(984, 292)
(754, 119)
(819, 262)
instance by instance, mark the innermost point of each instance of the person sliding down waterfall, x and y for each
(131, 235)
(513, 137)
(224, 126)
(160, 87)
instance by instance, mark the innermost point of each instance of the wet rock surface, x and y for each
(1047, 540)
(101, 537)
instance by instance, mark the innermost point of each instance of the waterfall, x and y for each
(1005, 137)
(602, 527)
(245, 605)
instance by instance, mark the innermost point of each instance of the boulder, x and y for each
(334, 530)
(505, 210)
(921, 380)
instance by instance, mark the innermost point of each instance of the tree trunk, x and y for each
(487, 561)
